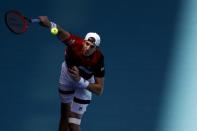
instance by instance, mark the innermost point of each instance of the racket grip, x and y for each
(35, 20)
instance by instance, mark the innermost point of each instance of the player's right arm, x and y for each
(62, 34)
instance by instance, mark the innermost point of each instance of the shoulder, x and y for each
(98, 58)
(99, 54)
(99, 66)
(73, 39)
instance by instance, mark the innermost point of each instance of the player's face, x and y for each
(88, 48)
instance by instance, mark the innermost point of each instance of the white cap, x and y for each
(95, 36)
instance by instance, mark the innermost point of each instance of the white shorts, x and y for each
(70, 93)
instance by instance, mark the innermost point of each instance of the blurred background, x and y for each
(150, 58)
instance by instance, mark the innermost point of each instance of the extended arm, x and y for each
(62, 34)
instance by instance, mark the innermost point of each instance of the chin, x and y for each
(86, 54)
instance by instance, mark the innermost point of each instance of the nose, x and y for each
(88, 47)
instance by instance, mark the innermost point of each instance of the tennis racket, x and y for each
(17, 22)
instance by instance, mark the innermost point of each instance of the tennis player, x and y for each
(82, 73)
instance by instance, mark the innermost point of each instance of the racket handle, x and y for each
(35, 20)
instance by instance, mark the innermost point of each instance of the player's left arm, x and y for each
(97, 87)
(99, 74)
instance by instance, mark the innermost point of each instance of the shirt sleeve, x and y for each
(100, 68)
(72, 39)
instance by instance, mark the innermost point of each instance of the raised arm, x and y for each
(62, 34)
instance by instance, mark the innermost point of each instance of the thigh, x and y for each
(65, 78)
(66, 86)
(81, 100)
(66, 94)
(65, 110)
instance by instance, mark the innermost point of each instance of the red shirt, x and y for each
(87, 65)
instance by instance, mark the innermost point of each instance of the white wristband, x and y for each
(53, 25)
(83, 83)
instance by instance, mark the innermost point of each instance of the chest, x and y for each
(74, 57)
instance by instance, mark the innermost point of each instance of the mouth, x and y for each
(88, 48)
(85, 51)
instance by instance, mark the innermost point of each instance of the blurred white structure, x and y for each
(180, 102)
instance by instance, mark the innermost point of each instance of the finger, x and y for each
(75, 68)
(72, 74)
(72, 71)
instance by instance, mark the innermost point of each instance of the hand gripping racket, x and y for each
(17, 22)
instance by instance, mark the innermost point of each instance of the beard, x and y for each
(88, 52)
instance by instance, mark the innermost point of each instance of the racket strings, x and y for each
(16, 23)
